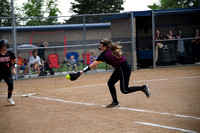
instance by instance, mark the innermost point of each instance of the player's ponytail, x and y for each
(112, 46)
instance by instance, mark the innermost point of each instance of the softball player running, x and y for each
(6, 59)
(112, 55)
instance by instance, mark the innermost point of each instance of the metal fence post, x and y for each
(153, 38)
(84, 38)
(14, 34)
(132, 41)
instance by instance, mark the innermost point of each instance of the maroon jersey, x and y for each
(5, 61)
(111, 57)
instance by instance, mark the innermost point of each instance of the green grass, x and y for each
(81, 66)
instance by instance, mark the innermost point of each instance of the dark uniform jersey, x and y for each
(6, 62)
(111, 57)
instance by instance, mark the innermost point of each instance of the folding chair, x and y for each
(54, 63)
(87, 58)
(76, 57)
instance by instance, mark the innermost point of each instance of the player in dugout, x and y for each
(6, 59)
(112, 55)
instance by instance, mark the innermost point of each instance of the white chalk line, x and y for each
(5, 95)
(167, 127)
(176, 78)
(121, 108)
(139, 81)
(80, 87)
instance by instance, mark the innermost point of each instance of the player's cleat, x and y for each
(146, 90)
(113, 104)
(11, 101)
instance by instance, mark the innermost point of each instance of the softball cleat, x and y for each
(113, 104)
(11, 101)
(147, 91)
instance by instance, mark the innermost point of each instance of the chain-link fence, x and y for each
(79, 35)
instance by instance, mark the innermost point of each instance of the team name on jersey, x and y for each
(4, 59)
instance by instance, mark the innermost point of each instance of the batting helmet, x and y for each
(3, 42)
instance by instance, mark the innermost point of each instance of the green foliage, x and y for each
(81, 66)
(5, 11)
(33, 8)
(171, 4)
(36, 8)
(94, 7)
(52, 10)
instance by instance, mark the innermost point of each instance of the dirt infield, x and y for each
(78, 107)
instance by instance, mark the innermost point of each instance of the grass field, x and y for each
(79, 106)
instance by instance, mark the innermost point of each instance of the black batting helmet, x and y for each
(105, 42)
(3, 42)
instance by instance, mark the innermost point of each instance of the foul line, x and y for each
(122, 108)
(80, 87)
(151, 80)
(162, 126)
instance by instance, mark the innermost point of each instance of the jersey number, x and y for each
(116, 54)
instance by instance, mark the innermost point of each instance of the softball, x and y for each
(68, 76)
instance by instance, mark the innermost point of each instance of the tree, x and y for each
(5, 11)
(170, 4)
(33, 8)
(52, 10)
(94, 7)
(37, 8)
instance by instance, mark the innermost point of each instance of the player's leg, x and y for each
(23, 68)
(26, 69)
(9, 81)
(1, 78)
(111, 85)
(125, 72)
(18, 69)
(37, 67)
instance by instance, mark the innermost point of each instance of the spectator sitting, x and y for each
(93, 58)
(34, 62)
(21, 66)
(72, 63)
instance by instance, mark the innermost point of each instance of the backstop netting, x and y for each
(56, 42)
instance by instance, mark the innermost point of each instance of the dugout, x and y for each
(186, 19)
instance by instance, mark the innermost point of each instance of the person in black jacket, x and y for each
(41, 51)
(7, 59)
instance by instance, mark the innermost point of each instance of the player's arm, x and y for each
(14, 66)
(91, 66)
(101, 58)
(74, 76)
